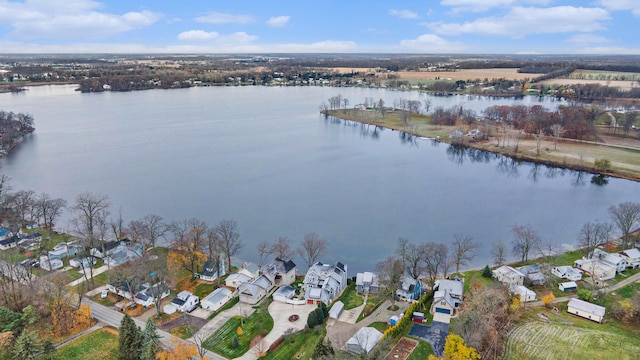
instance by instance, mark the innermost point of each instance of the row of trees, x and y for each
(13, 126)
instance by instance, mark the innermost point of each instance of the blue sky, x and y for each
(346, 26)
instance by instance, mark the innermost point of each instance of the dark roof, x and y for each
(13, 239)
(340, 266)
(178, 301)
(209, 268)
(288, 265)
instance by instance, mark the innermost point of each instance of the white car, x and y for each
(104, 294)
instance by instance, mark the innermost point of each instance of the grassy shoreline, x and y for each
(567, 153)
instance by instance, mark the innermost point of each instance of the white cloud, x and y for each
(433, 44)
(485, 5)
(403, 14)
(222, 18)
(622, 5)
(588, 39)
(278, 21)
(609, 50)
(72, 19)
(214, 37)
(198, 36)
(523, 21)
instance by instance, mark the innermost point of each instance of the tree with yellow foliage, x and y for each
(455, 349)
(187, 250)
(548, 299)
(181, 351)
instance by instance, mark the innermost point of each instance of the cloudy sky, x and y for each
(344, 26)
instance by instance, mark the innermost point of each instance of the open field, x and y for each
(625, 85)
(538, 340)
(100, 344)
(467, 74)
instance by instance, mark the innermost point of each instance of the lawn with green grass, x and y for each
(379, 325)
(422, 351)
(100, 344)
(301, 347)
(227, 306)
(204, 288)
(183, 331)
(373, 301)
(221, 342)
(350, 297)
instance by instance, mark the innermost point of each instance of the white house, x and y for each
(363, 341)
(568, 286)
(632, 256)
(147, 296)
(82, 262)
(566, 272)
(367, 282)
(256, 290)
(236, 279)
(532, 274)
(509, 276)
(216, 299)
(209, 271)
(50, 264)
(185, 301)
(586, 310)
(526, 295)
(324, 282)
(447, 298)
(596, 268)
(409, 289)
(617, 261)
(109, 247)
(63, 250)
(280, 272)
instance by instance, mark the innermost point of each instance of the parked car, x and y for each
(104, 294)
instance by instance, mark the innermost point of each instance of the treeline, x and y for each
(12, 127)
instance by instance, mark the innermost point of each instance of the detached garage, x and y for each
(568, 286)
(216, 299)
(364, 340)
(586, 310)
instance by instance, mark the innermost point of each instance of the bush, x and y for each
(585, 295)
(235, 343)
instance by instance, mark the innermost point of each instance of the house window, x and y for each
(442, 302)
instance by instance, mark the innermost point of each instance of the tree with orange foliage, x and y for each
(187, 251)
(180, 351)
(548, 299)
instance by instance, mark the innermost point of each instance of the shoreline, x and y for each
(489, 146)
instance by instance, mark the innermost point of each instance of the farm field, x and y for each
(622, 84)
(538, 340)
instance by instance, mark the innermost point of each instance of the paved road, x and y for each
(113, 318)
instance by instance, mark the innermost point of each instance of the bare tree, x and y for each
(189, 245)
(436, 259)
(312, 248)
(593, 234)
(556, 129)
(117, 226)
(149, 229)
(215, 252)
(229, 238)
(402, 249)
(414, 264)
(49, 209)
(90, 224)
(390, 272)
(263, 252)
(463, 250)
(282, 248)
(499, 252)
(20, 204)
(625, 216)
(525, 238)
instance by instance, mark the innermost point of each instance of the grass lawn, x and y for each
(373, 301)
(380, 326)
(474, 279)
(422, 351)
(302, 346)
(100, 344)
(350, 297)
(221, 341)
(628, 291)
(204, 288)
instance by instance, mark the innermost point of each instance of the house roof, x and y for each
(569, 284)
(453, 287)
(249, 289)
(529, 269)
(239, 277)
(508, 271)
(217, 295)
(366, 338)
(209, 268)
(367, 277)
(631, 253)
(286, 291)
(587, 307)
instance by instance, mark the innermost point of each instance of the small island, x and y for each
(596, 145)
(13, 126)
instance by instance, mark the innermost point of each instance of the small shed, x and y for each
(586, 310)
(336, 310)
(417, 317)
(568, 286)
(394, 320)
(216, 299)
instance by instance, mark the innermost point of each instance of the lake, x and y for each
(265, 157)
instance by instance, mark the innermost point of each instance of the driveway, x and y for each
(435, 334)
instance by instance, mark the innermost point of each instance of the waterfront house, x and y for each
(107, 248)
(280, 272)
(64, 250)
(586, 310)
(367, 283)
(447, 298)
(254, 291)
(532, 274)
(209, 271)
(236, 279)
(127, 253)
(508, 276)
(216, 299)
(632, 256)
(566, 272)
(250, 269)
(324, 282)
(409, 289)
(617, 261)
(599, 270)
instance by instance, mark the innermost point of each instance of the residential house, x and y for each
(109, 247)
(216, 299)
(364, 340)
(9, 242)
(617, 261)
(5, 233)
(367, 283)
(209, 271)
(236, 279)
(147, 296)
(566, 272)
(508, 276)
(324, 282)
(50, 264)
(447, 298)
(129, 252)
(82, 262)
(33, 237)
(596, 268)
(526, 295)
(64, 250)
(284, 293)
(254, 291)
(250, 269)
(568, 286)
(185, 301)
(632, 256)
(532, 274)
(586, 310)
(280, 272)
(409, 289)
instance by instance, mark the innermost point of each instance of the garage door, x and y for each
(443, 311)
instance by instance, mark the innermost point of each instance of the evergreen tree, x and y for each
(312, 319)
(325, 310)
(130, 342)
(150, 340)
(486, 272)
(323, 350)
(27, 346)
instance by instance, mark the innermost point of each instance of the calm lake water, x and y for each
(266, 158)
